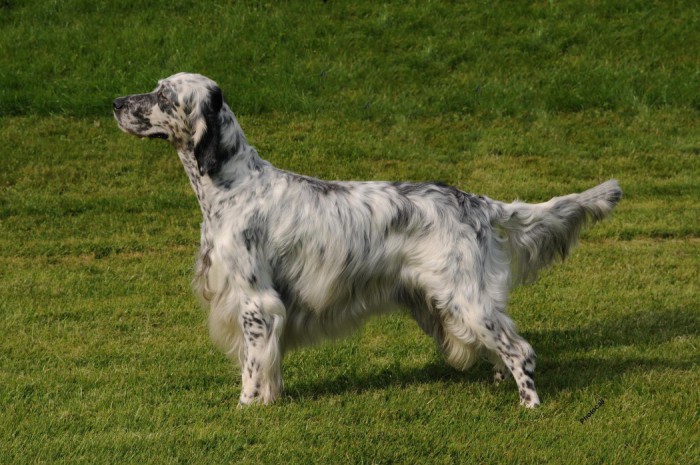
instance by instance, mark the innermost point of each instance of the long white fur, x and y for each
(286, 260)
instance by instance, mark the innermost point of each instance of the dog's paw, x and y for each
(529, 399)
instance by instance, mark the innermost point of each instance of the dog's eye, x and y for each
(162, 97)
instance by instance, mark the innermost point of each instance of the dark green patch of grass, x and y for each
(412, 59)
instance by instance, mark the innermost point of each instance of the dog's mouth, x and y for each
(129, 130)
(158, 135)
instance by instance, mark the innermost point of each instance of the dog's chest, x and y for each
(228, 255)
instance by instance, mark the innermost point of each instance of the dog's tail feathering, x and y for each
(538, 234)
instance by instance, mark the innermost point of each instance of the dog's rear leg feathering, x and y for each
(535, 235)
(538, 234)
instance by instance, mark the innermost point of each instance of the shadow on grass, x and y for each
(564, 357)
(611, 347)
(397, 377)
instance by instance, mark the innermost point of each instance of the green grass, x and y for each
(104, 353)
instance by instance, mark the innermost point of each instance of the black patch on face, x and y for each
(165, 106)
(168, 99)
(141, 118)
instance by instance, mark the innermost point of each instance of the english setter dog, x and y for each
(286, 259)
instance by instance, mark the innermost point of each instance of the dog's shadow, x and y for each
(568, 359)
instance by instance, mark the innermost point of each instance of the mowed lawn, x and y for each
(104, 351)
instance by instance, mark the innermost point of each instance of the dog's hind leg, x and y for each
(261, 320)
(430, 319)
(475, 325)
(500, 371)
(498, 335)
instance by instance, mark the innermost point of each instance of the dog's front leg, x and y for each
(262, 322)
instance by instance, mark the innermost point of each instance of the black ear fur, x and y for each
(207, 152)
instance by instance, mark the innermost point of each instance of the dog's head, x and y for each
(184, 109)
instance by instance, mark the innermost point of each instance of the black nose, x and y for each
(119, 103)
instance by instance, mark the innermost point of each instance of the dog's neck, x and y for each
(240, 162)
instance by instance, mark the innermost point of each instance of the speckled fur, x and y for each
(286, 260)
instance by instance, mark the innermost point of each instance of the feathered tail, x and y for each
(538, 234)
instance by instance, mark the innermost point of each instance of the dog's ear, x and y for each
(207, 150)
